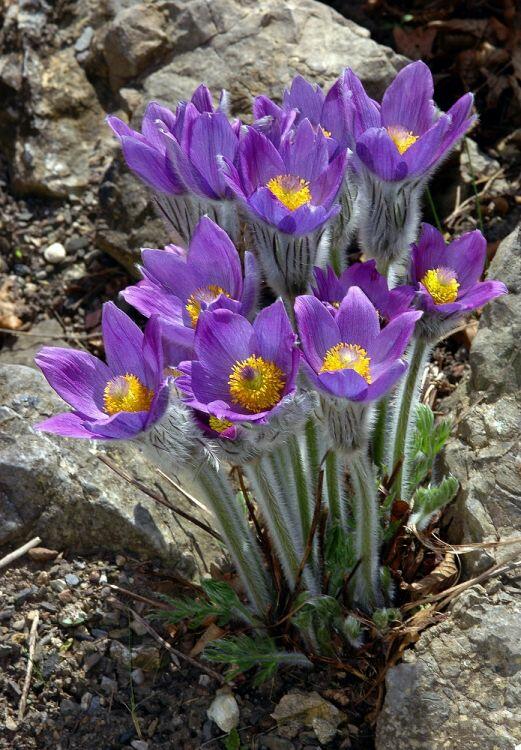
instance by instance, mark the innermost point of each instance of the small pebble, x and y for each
(58, 584)
(55, 253)
(25, 594)
(138, 676)
(71, 579)
(139, 745)
(120, 560)
(42, 554)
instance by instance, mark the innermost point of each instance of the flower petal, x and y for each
(429, 252)
(392, 341)
(307, 98)
(386, 380)
(357, 319)
(77, 376)
(214, 255)
(150, 299)
(222, 338)
(259, 160)
(423, 154)
(317, 329)
(68, 424)
(408, 103)
(467, 255)
(377, 151)
(363, 112)
(212, 136)
(275, 340)
(123, 343)
(251, 287)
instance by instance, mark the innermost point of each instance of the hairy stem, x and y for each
(366, 579)
(334, 471)
(238, 536)
(404, 413)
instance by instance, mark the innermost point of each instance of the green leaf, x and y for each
(244, 652)
(428, 440)
(233, 741)
(428, 500)
(221, 602)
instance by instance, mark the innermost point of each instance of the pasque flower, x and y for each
(178, 287)
(397, 146)
(112, 401)
(243, 372)
(331, 289)
(289, 194)
(447, 276)
(347, 355)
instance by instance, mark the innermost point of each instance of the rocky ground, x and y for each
(72, 221)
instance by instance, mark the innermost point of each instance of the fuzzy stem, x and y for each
(334, 472)
(238, 536)
(367, 592)
(286, 539)
(404, 413)
(379, 432)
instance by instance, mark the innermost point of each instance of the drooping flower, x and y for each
(447, 276)
(243, 372)
(179, 287)
(289, 194)
(112, 401)
(347, 355)
(397, 147)
(331, 289)
(177, 154)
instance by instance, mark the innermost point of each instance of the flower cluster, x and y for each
(263, 348)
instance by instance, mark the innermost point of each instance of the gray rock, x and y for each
(55, 253)
(59, 490)
(224, 711)
(24, 348)
(461, 685)
(247, 48)
(485, 453)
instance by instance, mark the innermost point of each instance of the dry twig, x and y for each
(19, 552)
(30, 661)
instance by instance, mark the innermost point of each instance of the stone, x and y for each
(55, 253)
(24, 595)
(66, 136)
(58, 489)
(249, 49)
(71, 616)
(42, 554)
(461, 685)
(134, 41)
(297, 709)
(485, 453)
(72, 580)
(224, 710)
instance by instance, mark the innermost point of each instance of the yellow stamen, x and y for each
(206, 294)
(292, 191)
(402, 139)
(126, 393)
(219, 425)
(327, 133)
(172, 372)
(256, 383)
(348, 357)
(336, 305)
(442, 285)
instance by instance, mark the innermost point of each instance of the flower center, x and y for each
(219, 425)
(126, 393)
(402, 139)
(442, 285)
(325, 132)
(256, 384)
(347, 357)
(204, 295)
(336, 305)
(291, 190)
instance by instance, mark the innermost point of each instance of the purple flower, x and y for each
(348, 356)
(332, 289)
(243, 372)
(178, 287)
(112, 401)
(293, 187)
(448, 276)
(325, 112)
(145, 153)
(406, 136)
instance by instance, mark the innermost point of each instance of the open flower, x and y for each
(331, 289)
(243, 372)
(113, 401)
(347, 356)
(178, 288)
(448, 275)
(407, 135)
(292, 188)
(325, 112)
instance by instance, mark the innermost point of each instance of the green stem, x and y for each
(380, 431)
(238, 536)
(404, 413)
(334, 476)
(432, 206)
(474, 186)
(366, 581)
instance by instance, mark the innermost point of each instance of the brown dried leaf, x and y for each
(211, 633)
(415, 43)
(442, 577)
